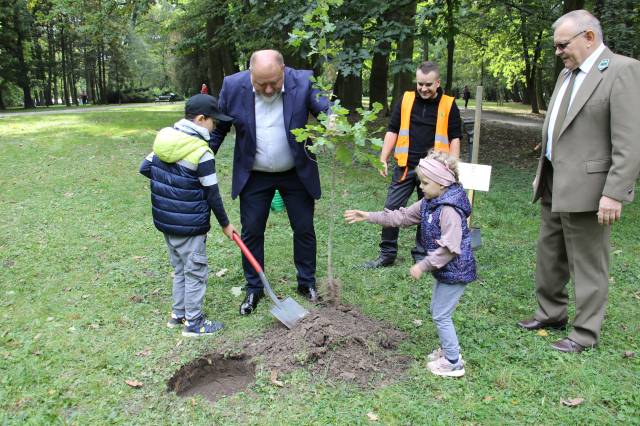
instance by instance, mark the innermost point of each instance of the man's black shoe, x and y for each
(379, 262)
(310, 293)
(250, 303)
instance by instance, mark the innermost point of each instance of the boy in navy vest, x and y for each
(184, 190)
(442, 214)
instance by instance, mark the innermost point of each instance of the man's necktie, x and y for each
(564, 106)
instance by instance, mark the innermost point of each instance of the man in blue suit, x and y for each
(266, 102)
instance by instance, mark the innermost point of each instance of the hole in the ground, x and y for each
(213, 376)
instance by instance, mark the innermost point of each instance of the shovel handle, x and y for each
(243, 248)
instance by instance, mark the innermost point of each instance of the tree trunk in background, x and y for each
(215, 71)
(72, 71)
(51, 63)
(2, 105)
(23, 70)
(379, 77)
(349, 90)
(63, 51)
(451, 44)
(403, 80)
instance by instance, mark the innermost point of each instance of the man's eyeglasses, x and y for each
(566, 44)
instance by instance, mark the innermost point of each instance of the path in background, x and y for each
(516, 119)
(74, 110)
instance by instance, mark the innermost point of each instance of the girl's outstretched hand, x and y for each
(415, 271)
(353, 216)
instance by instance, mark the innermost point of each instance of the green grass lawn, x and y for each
(85, 293)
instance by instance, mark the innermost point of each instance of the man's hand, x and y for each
(385, 168)
(353, 216)
(609, 210)
(229, 230)
(416, 271)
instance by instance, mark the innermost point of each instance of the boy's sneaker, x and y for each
(175, 321)
(442, 367)
(200, 327)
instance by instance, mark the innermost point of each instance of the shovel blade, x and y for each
(289, 312)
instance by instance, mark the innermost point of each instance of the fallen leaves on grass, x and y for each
(136, 298)
(372, 416)
(542, 332)
(274, 379)
(138, 257)
(134, 383)
(417, 322)
(572, 402)
(144, 352)
(488, 398)
(628, 354)
(221, 272)
(236, 291)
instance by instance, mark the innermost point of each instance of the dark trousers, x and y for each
(571, 245)
(397, 196)
(255, 200)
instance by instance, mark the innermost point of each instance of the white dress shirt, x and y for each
(584, 70)
(273, 153)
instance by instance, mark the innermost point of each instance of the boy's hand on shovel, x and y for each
(228, 231)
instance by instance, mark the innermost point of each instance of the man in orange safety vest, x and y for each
(425, 118)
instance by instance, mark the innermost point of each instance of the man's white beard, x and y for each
(270, 99)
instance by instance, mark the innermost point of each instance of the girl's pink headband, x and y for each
(436, 171)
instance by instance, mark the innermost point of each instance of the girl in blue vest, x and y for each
(443, 214)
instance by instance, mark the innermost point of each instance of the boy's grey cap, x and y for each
(205, 105)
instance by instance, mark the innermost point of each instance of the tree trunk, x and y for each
(451, 44)
(2, 105)
(215, 72)
(379, 76)
(403, 79)
(23, 70)
(349, 90)
(50, 66)
(72, 72)
(63, 50)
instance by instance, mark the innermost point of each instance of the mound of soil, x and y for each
(335, 343)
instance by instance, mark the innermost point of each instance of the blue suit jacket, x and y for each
(237, 99)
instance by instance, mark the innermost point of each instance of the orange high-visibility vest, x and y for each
(441, 142)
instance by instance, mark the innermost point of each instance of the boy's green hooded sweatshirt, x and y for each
(172, 145)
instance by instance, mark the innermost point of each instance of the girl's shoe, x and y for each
(435, 355)
(175, 321)
(438, 353)
(200, 327)
(442, 367)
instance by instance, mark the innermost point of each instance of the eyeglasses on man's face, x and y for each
(566, 44)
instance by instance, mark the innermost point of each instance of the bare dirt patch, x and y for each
(333, 343)
(213, 376)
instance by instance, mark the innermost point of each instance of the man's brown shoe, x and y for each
(534, 324)
(567, 345)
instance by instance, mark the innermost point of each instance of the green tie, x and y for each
(564, 106)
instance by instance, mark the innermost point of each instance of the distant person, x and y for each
(204, 90)
(184, 190)
(466, 95)
(443, 214)
(589, 163)
(83, 97)
(266, 102)
(425, 118)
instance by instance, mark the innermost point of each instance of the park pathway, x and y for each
(516, 119)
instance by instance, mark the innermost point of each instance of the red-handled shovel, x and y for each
(288, 312)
